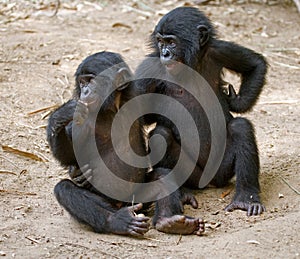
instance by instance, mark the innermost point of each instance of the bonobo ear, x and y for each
(203, 34)
(123, 78)
(85, 79)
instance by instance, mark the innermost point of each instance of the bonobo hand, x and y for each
(82, 124)
(234, 100)
(81, 113)
(248, 201)
(124, 222)
(230, 94)
(81, 176)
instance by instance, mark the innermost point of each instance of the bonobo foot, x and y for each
(180, 224)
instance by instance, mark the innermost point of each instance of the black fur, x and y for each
(79, 197)
(186, 35)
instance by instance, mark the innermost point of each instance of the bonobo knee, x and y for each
(63, 186)
(163, 131)
(240, 126)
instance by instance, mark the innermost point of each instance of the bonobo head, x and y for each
(97, 76)
(97, 90)
(180, 36)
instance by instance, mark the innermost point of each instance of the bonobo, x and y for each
(74, 122)
(83, 201)
(186, 36)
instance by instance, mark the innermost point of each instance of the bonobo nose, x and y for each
(166, 53)
(86, 91)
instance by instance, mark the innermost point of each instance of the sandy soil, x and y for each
(38, 57)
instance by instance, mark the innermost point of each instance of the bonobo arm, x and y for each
(250, 65)
(59, 133)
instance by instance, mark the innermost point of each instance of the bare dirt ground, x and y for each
(38, 57)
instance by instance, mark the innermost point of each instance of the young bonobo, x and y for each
(74, 122)
(82, 200)
(186, 36)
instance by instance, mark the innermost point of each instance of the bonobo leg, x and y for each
(95, 211)
(169, 216)
(241, 158)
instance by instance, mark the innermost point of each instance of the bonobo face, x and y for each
(167, 45)
(89, 94)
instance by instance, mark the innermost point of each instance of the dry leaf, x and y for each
(22, 153)
(119, 24)
(43, 109)
(225, 193)
(253, 242)
(7, 172)
(17, 192)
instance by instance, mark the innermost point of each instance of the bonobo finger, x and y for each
(134, 233)
(74, 172)
(190, 199)
(141, 231)
(255, 210)
(262, 209)
(250, 211)
(142, 219)
(85, 183)
(85, 168)
(135, 207)
(229, 207)
(141, 224)
(84, 176)
(88, 173)
(232, 92)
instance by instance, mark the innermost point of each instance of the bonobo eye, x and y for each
(172, 43)
(159, 42)
(85, 79)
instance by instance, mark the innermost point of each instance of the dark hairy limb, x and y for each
(97, 212)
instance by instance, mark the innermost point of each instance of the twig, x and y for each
(51, 107)
(46, 114)
(7, 172)
(285, 49)
(179, 239)
(293, 188)
(22, 153)
(56, 8)
(156, 240)
(17, 192)
(28, 126)
(33, 240)
(284, 56)
(76, 245)
(286, 65)
(280, 102)
(8, 160)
